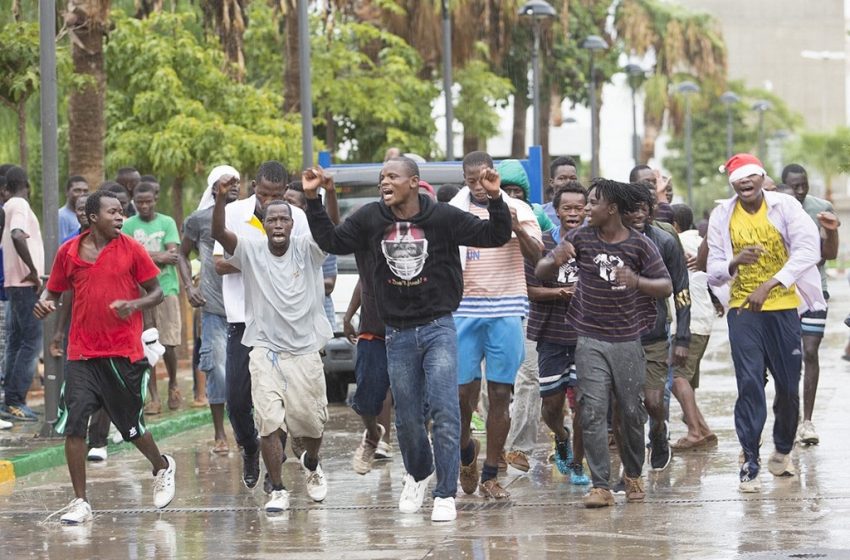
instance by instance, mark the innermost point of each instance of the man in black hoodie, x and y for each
(418, 282)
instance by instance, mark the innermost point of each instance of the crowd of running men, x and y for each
(587, 312)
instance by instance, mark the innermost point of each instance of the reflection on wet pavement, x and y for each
(693, 510)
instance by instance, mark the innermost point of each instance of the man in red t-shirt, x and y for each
(106, 366)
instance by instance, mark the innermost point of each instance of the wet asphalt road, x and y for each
(692, 510)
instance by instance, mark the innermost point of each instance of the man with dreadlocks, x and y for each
(617, 266)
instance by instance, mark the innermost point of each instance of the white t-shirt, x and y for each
(702, 310)
(240, 219)
(284, 296)
(20, 216)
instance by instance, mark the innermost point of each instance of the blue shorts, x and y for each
(556, 364)
(499, 341)
(370, 373)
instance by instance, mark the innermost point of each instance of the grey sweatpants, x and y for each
(606, 367)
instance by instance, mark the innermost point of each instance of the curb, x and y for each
(54, 455)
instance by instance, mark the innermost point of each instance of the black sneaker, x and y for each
(619, 488)
(659, 452)
(251, 468)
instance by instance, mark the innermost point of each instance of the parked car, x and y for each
(356, 185)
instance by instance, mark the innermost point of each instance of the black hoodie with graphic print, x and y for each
(417, 275)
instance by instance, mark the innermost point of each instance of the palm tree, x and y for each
(228, 19)
(87, 24)
(683, 42)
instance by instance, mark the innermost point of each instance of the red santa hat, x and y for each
(742, 165)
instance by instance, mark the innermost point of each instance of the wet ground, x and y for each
(692, 510)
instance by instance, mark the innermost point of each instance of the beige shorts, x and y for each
(289, 393)
(166, 316)
(656, 364)
(696, 350)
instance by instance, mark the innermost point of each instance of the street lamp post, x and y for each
(634, 73)
(306, 86)
(729, 99)
(761, 107)
(447, 80)
(687, 89)
(536, 10)
(593, 43)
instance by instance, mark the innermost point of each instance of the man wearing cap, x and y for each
(207, 296)
(766, 249)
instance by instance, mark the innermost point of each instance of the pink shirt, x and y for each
(20, 216)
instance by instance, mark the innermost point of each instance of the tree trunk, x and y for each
(23, 151)
(519, 125)
(291, 69)
(86, 119)
(177, 202)
(647, 145)
(470, 143)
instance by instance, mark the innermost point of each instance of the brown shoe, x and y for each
(492, 489)
(469, 473)
(174, 398)
(518, 460)
(634, 489)
(598, 498)
(153, 407)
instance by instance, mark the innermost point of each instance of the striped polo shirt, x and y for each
(600, 308)
(494, 278)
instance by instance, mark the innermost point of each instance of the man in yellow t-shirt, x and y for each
(764, 246)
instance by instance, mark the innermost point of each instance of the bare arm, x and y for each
(829, 242)
(541, 293)
(19, 240)
(331, 202)
(222, 267)
(353, 306)
(187, 246)
(219, 231)
(151, 298)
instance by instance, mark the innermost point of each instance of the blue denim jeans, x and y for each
(213, 355)
(422, 363)
(23, 343)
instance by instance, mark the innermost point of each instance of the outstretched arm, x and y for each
(338, 240)
(220, 232)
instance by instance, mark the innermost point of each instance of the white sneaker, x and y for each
(750, 486)
(364, 455)
(317, 486)
(163, 484)
(412, 494)
(806, 433)
(384, 451)
(444, 510)
(115, 435)
(78, 511)
(780, 464)
(4, 425)
(278, 501)
(97, 454)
